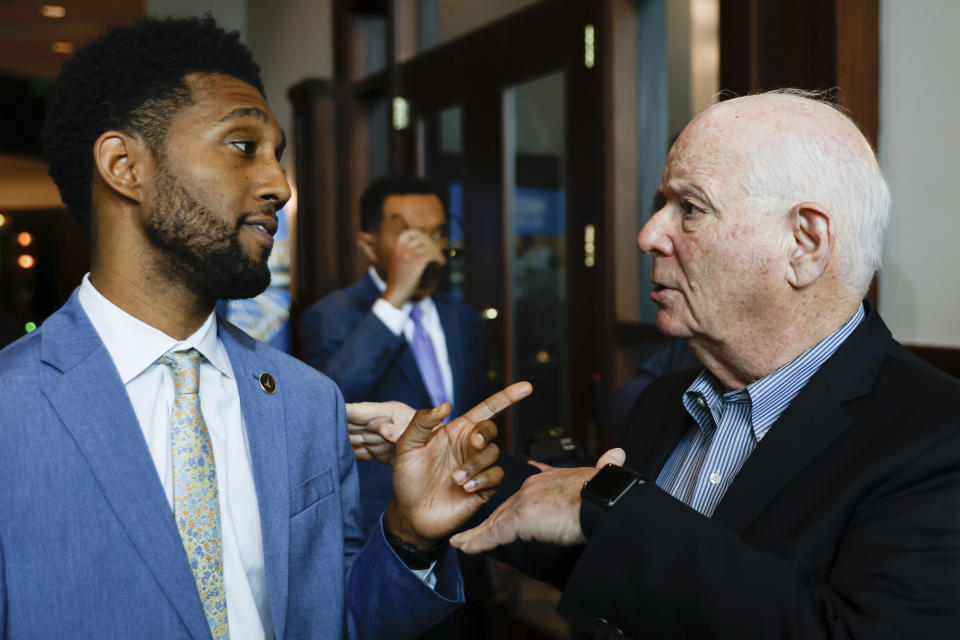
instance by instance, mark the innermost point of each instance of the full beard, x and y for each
(201, 251)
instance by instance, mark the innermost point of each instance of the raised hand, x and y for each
(545, 509)
(413, 252)
(442, 473)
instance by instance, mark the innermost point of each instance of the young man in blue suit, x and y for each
(165, 475)
(363, 336)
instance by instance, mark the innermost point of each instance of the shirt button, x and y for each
(702, 401)
(714, 478)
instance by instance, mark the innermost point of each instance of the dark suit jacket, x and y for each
(342, 337)
(844, 523)
(88, 544)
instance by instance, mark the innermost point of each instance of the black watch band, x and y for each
(602, 492)
(411, 555)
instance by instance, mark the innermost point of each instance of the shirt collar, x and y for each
(769, 396)
(426, 304)
(134, 345)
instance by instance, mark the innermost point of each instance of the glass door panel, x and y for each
(442, 157)
(535, 194)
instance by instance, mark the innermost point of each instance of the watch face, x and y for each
(610, 482)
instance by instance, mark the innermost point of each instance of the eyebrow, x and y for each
(258, 114)
(690, 188)
(246, 112)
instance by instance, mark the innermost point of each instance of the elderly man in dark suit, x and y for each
(806, 482)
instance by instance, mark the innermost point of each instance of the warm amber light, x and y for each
(3, 219)
(24, 239)
(62, 47)
(26, 261)
(52, 11)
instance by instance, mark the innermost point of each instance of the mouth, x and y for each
(659, 293)
(264, 227)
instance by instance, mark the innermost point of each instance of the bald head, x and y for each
(785, 148)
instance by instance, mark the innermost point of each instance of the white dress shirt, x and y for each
(135, 347)
(398, 321)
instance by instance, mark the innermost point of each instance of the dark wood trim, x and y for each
(858, 63)
(323, 244)
(947, 359)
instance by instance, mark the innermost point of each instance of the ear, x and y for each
(122, 162)
(812, 243)
(368, 245)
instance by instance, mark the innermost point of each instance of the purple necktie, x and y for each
(426, 359)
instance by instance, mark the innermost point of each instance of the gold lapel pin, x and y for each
(267, 383)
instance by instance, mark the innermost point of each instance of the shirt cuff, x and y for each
(427, 576)
(389, 315)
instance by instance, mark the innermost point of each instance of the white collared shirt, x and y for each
(135, 347)
(398, 321)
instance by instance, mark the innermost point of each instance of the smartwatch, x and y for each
(601, 492)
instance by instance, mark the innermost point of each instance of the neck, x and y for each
(759, 351)
(173, 309)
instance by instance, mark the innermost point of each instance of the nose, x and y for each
(653, 238)
(272, 185)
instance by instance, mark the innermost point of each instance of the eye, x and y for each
(688, 208)
(246, 146)
(438, 235)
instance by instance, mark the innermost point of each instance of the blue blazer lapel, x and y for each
(455, 352)
(84, 388)
(264, 419)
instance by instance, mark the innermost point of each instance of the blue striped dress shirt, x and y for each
(730, 425)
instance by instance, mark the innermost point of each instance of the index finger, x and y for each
(499, 401)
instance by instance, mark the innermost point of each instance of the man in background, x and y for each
(393, 335)
(166, 475)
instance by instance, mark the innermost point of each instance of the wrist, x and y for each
(400, 527)
(395, 298)
(412, 555)
(601, 493)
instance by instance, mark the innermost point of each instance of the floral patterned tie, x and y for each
(196, 504)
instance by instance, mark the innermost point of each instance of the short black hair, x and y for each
(131, 79)
(371, 202)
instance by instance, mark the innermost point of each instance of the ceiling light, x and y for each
(62, 47)
(52, 11)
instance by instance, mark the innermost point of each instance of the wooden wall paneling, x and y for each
(323, 246)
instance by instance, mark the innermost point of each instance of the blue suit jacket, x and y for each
(342, 337)
(88, 544)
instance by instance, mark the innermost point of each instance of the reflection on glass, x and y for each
(537, 261)
(443, 165)
(442, 20)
